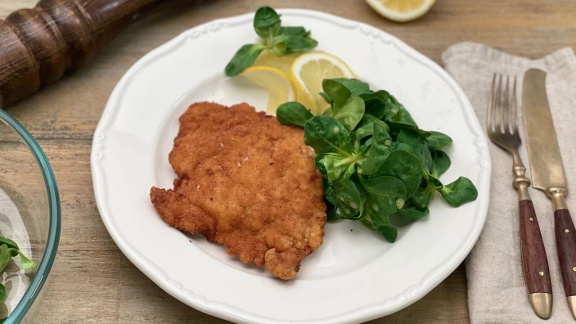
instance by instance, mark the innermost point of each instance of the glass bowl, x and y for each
(29, 215)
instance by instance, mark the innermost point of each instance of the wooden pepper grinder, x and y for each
(37, 46)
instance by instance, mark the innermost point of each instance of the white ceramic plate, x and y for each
(355, 275)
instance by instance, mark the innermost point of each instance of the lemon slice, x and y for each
(281, 63)
(401, 10)
(307, 73)
(278, 84)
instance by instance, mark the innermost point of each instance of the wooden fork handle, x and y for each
(534, 261)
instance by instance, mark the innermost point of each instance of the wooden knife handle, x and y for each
(534, 260)
(39, 45)
(566, 248)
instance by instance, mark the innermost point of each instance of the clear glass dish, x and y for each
(29, 215)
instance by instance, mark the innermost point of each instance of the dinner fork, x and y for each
(502, 129)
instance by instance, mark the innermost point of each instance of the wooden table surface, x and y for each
(92, 281)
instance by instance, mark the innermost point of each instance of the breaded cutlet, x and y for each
(246, 182)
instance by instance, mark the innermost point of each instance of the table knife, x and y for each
(547, 173)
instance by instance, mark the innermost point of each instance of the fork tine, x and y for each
(506, 110)
(490, 112)
(501, 119)
(502, 105)
(510, 124)
(498, 103)
(514, 113)
(494, 110)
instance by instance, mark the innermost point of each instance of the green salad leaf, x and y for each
(377, 165)
(8, 250)
(274, 37)
(293, 113)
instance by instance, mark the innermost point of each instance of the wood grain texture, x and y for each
(92, 281)
(566, 248)
(534, 260)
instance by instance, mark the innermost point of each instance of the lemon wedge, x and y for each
(307, 73)
(401, 10)
(276, 82)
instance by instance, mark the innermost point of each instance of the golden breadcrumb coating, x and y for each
(246, 182)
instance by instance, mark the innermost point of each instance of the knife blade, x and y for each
(547, 172)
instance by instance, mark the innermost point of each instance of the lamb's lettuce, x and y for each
(375, 160)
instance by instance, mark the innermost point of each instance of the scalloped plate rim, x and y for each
(365, 312)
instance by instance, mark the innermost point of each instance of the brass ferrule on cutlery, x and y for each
(542, 304)
(520, 182)
(558, 197)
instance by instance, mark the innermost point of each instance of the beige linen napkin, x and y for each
(496, 290)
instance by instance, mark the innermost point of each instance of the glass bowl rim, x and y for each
(53, 239)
